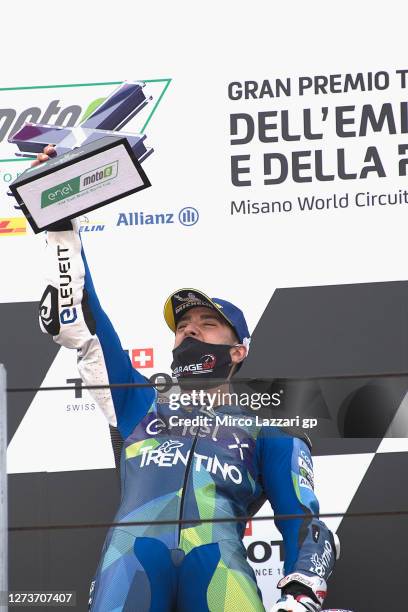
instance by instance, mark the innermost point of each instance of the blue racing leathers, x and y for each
(223, 466)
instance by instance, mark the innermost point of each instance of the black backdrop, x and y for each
(314, 332)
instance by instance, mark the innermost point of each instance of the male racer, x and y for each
(171, 471)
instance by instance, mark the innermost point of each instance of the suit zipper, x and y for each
(186, 475)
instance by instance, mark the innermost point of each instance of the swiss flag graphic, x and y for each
(142, 358)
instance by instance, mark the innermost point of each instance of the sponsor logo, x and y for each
(261, 551)
(189, 304)
(248, 529)
(312, 582)
(78, 407)
(87, 226)
(239, 445)
(68, 112)
(65, 280)
(49, 310)
(306, 476)
(188, 216)
(189, 301)
(142, 358)
(82, 183)
(78, 386)
(194, 427)
(305, 467)
(266, 557)
(157, 426)
(46, 307)
(185, 216)
(205, 364)
(307, 459)
(68, 315)
(208, 362)
(91, 590)
(99, 175)
(169, 454)
(315, 533)
(305, 483)
(321, 565)
(191, 297)
(13, 226)
(11, 123)
(317, 585)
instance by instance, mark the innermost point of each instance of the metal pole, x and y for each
(3, 492)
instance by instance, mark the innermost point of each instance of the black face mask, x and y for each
(199, 364)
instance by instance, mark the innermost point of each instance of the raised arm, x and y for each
(70, 311)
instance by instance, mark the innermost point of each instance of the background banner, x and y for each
(279, 182)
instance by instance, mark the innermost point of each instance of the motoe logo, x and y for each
(68, 105)
(11, 120)
(99, 175)
(79, 184)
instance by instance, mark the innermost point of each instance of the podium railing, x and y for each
(3, 489)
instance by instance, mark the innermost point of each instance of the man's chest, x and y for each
(222, 442)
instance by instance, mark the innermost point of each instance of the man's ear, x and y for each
(238, 353)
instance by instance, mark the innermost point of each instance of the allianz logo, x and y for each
(169, 454)
(187, 216)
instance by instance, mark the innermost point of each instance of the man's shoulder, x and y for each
(278, 428)
(296, 432)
